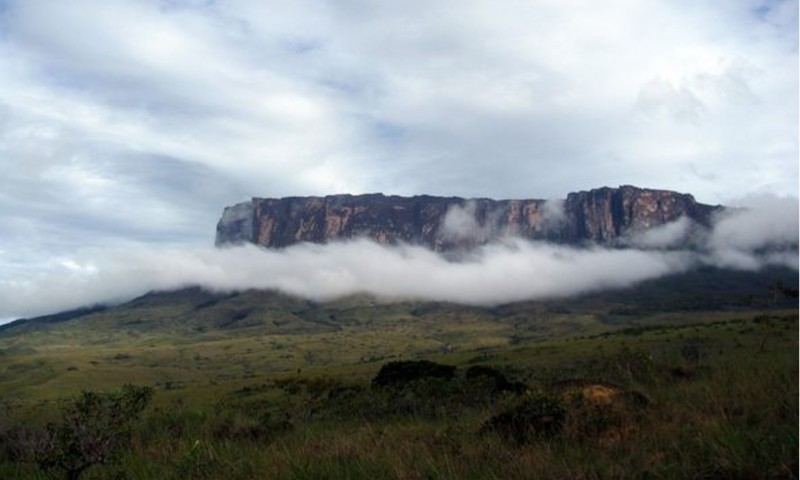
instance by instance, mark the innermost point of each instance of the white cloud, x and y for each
(660, 97)
(503, 271)
(763, 231)
(261, 93)
(553, 214)
(514, 270)
(460, 225)
(670, 235)
(137, 121)
(762, 222)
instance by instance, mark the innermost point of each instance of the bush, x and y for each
(400, 373)
(535, 417)
(95, 429)
(498, 381)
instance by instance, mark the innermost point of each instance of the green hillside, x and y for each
(690, 376)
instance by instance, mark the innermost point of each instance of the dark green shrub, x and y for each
(499, 383)
(95, 429)
(399, 373)
(535, 417)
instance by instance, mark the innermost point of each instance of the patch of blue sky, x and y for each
(301, 46)
(389, 132)
(168, 5)
(4, 8)
(64, 78)
(768, 10)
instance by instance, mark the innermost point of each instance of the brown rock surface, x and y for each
(603, 216)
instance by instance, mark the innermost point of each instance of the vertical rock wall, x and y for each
(597, 216)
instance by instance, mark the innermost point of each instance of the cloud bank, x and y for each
(161, 111)
(126, 125)
(508, 270)
(497, 273)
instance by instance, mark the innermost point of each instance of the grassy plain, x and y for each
(258, 385)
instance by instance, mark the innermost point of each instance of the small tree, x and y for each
(402, 372)
(95, 429)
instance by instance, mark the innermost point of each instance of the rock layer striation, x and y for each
(599, 216)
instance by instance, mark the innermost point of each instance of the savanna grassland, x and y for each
(694, 377)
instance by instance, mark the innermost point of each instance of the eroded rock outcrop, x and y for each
(604, 215)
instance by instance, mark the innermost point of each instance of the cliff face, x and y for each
(603, 216)
(606, 214)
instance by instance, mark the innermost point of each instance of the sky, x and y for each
(127, 126)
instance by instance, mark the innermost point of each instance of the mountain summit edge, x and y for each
(605, 216)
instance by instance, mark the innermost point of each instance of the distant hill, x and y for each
(599, 216)
(194, 311)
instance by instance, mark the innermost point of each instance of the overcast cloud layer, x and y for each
(127, 126)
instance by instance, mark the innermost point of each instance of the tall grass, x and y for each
(712, 401)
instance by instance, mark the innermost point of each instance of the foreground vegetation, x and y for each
(412, 391)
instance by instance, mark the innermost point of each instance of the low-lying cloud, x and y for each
(764, 232)
(767, 223)
(462, 225)
(669, 235)
(500, 272)
(510, 269)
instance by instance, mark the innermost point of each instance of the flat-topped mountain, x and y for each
(603, 216)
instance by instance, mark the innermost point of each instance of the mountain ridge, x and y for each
(598, 216)
(195, 310)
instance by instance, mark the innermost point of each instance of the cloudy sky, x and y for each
(129, 125)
